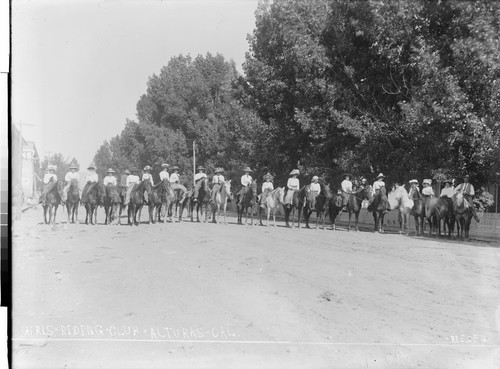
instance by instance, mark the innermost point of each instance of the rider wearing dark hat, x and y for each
(123, 178)
(467, 190)
(197, 181)
(90, 181)
(175, 181)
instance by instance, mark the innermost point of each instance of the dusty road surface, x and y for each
(195, 295)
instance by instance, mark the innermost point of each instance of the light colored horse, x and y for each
(398, 199)
(221, 197)
(273, 199)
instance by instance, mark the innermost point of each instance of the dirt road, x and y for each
(189, 295)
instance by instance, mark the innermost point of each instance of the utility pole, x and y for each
(194, 159)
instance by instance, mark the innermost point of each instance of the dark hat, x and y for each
(134, 169)
(73, 166)
(466, 176)
(200, 167)
(175, 167)
(126, 171)
(247, 169)
(447, 181)
(347, 175)
(91, 166)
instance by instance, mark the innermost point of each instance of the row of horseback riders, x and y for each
(130, 179)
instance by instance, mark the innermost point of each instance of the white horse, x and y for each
(221, 197)
(273, 199)
(399, 199)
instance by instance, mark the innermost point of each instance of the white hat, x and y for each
(427, 181)
(315, 178)
(51, 167)
(165, 165)
(413, 181)
(380, 176)
(295, 171)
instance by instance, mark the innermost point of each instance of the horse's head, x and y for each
(325, 189)
(227, 187)
(459, 201)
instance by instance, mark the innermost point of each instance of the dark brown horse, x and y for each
(463, 216)
(73, 201)
(295, 205)
(179, 203)
(136, 202)
(112, 203)
(418, 210)
(378, 207)
(167, 197)
(52, 201)
(334, 208)
(94, 197)
(202, 201)
(307, 204)
(444, 211)
(122, 192)
(153, 202)
(323, 203)
(247, 202)
(354, 206)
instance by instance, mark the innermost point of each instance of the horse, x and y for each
(202, 201)
(167, 197)
(137, 202)
(435, 210)
(290, 208)
(94, 198)
(153, 201)
(307, 204)
(112, 202)
(221, 196)
(179, 203)
(399, 199)
(444, 211)
(272, 201)
(378, 207)
(51, 203)
(73, 201)
(334, 208)
(247, 201)
(122, 192)
(323, 203)
(463, 215)
(354, 205)
(418, 210)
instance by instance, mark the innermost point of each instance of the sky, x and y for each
(80, 66)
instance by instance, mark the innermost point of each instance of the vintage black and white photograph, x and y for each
(255, 184)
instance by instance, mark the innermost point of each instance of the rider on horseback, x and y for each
(110, 179)
(175, 182)
(346, 189)
(164, 173)
(267, 187)
(414, 192)
(123, 178)
(72, 175)
(292, 186)
(246, 181)
(427, 190)
(377, 186)
(197, 181)
(91, 180)
(467, 190)
(217, 181)
(132, 180)
(50, 179)
(315, 187)
(147, 176)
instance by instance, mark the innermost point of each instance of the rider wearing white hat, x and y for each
(110, 178)
(164, 173)
(49, 179)
(132, 181)
(467, 190)
(377, 186)
(346, 186)
(292, 186)
(217, 180)
(448, 191)
(315, 187)
(246, 181)
(427, 190)
(90, 181)
(267, 187)
(71, 176)
(147, 175)
(414, 192)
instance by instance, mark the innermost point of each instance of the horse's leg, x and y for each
(349, 214)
